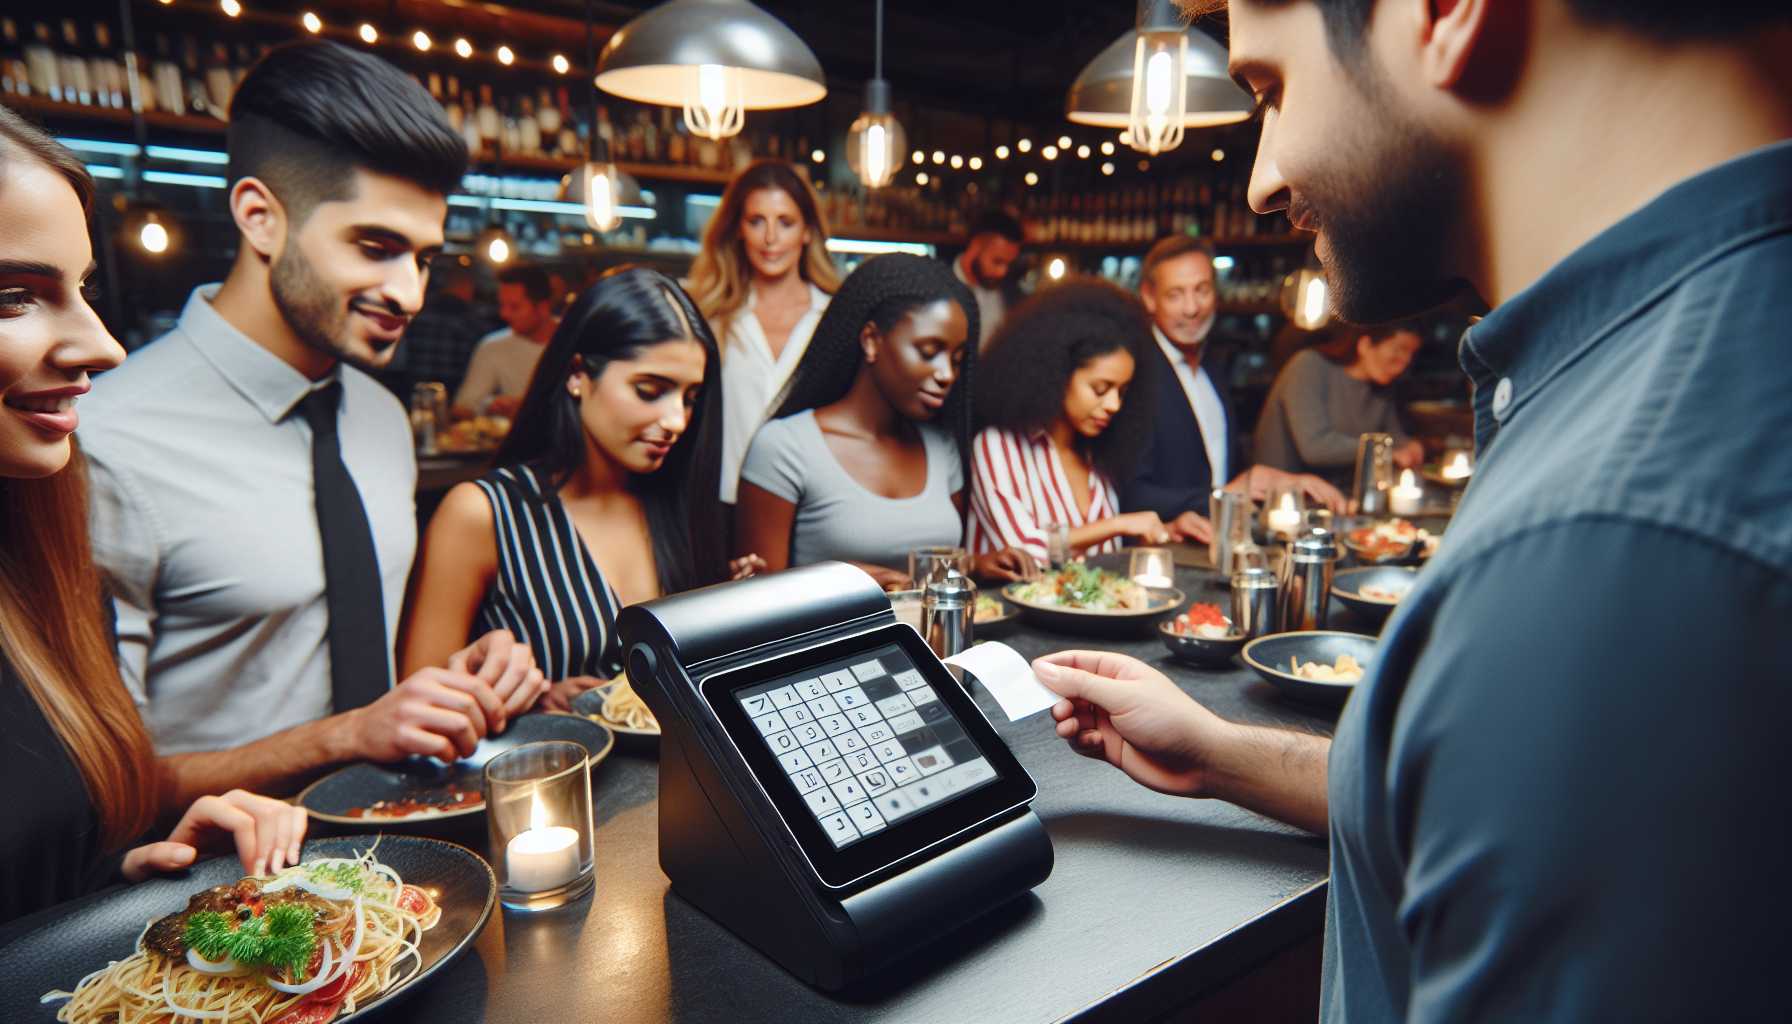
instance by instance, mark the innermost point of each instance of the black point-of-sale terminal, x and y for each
(828, 792)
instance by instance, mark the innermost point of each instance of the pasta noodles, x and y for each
(624, 707)
(356, 929)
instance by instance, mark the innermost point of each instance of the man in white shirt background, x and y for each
(989, 254)
(1195, 439)
(253, 487)
(505, 360)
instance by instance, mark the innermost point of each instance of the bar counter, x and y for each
(1153, 901)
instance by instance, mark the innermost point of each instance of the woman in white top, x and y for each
(1065, 423)
(762, 280)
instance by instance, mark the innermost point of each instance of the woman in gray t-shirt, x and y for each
(1328, 396)
(864, 459)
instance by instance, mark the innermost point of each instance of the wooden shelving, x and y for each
(37, 106)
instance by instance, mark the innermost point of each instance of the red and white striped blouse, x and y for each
(1018, 486)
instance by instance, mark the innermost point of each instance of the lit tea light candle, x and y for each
(1458, 468)
(544, 856)
(1284, 519)
(1153, 567)
(1406, 496)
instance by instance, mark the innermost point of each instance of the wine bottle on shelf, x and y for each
(509, 136)
(15, 80)
(469, 124)
(570, 130)
(71, 66)
(528, 129)
(219, 81)
(456, 118)
(42, 70)
(547, 123)
(107, 70)
(677, 145)
(491, 125)
(433, 83)
(170, 92)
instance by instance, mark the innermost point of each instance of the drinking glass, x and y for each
(538, 813)
(936, 563)
(1153, 567)
(429, 414)
(1374, 474)
(1057, 544)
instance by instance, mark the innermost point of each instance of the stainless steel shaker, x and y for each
(1256, 606)
(948, 614)
(1230, 514)
(1308, 594)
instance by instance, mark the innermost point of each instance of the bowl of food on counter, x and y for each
(1321, 666)
(1086, 599)
(1374, 591)
(1202, 635)
(1381, 541)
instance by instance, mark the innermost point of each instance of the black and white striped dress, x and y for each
(549, 592)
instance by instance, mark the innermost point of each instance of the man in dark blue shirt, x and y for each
(1556, 793)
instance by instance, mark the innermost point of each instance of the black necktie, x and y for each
(359, 671)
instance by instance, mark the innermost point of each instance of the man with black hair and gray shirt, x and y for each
(253, 485)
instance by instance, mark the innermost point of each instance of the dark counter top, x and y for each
(1153, 900)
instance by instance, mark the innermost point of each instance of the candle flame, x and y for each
(1406, 479)
(538, 814)
(1288, 502)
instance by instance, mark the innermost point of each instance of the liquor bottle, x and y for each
(606, 135)
(219, 81)
(455, 118)
(15, 79)
(42, 70)
(547, 123)
(192, 78)
(509, 137)
(491, 125)
(571, 129)
(71, 66)
(528, 129)
(677, 149)
(434, 84)
(469, 124)
(106, 71)
(165, 75)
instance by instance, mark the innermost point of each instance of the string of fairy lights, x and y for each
(928, 166)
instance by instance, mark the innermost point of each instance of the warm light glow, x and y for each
(313, 24)
(1107, 149)
(919, 157)
(153, 237)
(1159, 92)
(506, 55)
(463, 49)
(1049, 152)
(538, 814)
(1063, 142)
(817, 155)
(231, 8)
(939, 156)
(602, 211)
(1083, 152)
(420, 39)
(1312, 304)
(1107, 167)
(1032, 178)
(1001, 152)
(1458, 467)
(561, 65)
(713, 108)
(497, 250)
(1024, 145)
(921, 177)
(957, 161)
(874, 146)
(1056, 268)
(976, 163)
(1218, 155)
(369, 34)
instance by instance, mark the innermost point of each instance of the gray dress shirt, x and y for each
(1559, 794)
(204, 523)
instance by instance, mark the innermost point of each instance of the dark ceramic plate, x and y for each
(1201, 650)
(62, 950)
(1348, 584)
(430, 781)
(591, 705)
(1161, 601)
(1269, 657)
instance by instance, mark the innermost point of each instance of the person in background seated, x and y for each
(1193, 442)
(504, 361)
(1330, 395)
(605, 494)
(1065, 422)
(762, 280)
(440, 341)
(990, 250)
(254, 487)
(865, 460)
(83, 784)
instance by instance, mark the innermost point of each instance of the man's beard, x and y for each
(311, 308)
(1387, 221)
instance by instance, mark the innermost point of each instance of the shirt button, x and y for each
(1502, 397)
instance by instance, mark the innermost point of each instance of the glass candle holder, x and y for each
(538, 811)
(1284, 513)
(1153, 567)
(928, 564)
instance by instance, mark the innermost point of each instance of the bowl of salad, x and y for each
(1083, 598)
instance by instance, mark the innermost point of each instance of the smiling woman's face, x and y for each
(773, 232)
(636, 409)
(50, 338)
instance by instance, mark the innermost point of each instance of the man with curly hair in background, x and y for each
(1552, 794)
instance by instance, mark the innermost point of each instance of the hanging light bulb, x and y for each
(231, 8)
(875, 142)
(603, 189)
(369, 34)
(1107, 167)
(153, 236)
(313, 24)
(1159, 91)
(462, 48)
(1024, 145)
(148, 227)
(1001, 152)
(956, 162)
(712, 108)
(561, 64)
(1049, 152)
(506, 55)
(1083, 152)
(494, 246)
(976, 163)
(1158, 80)
(921, 177)
(1107, 148)
(1032, 178)
(1306, 298)
(420, 39)
(1057, 268)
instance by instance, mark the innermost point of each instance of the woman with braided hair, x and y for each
(865, 458)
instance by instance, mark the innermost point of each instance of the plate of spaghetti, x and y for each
(617, 707)
(351, 927)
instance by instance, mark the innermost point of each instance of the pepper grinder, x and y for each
(1307, 596)
(948, 614)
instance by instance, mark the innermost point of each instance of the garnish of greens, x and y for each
(282, 936)
(1082, 584)
(340, 875)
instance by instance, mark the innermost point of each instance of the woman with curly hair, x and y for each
(866, 458)
(762, 280)
(604, 495)
(1061, 429)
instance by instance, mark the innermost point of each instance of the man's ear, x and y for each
(259, 216)
(1457, 36)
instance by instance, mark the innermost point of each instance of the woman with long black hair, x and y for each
(865, 458)
(605, 493)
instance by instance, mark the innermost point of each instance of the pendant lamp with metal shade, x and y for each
(715, 59)
(875, 142)
(598, 184)
(1156, 81)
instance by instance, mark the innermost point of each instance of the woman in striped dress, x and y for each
(1065, 423)
(605, 493)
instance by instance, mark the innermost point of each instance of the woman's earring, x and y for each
(577, 391)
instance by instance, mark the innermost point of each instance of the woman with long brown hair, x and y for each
(762, 280)
(76, 762)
